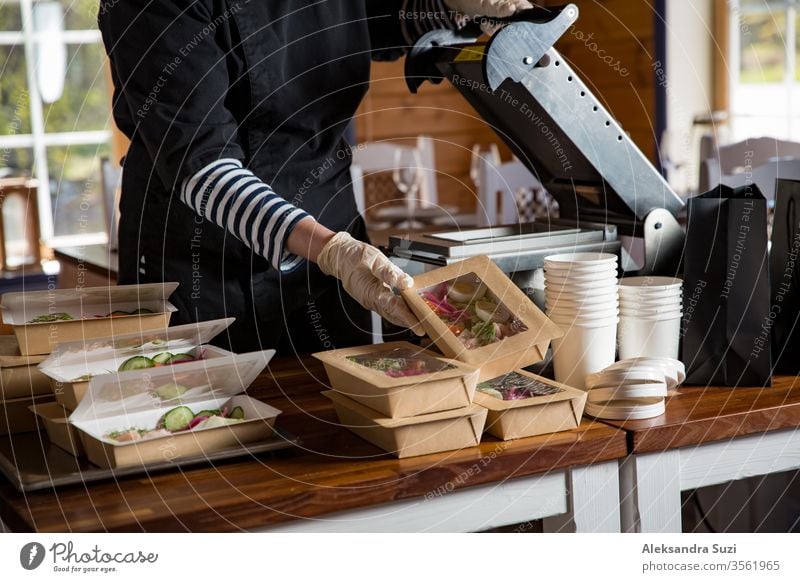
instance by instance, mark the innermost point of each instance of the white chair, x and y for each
(733, 163)
(506, 183)
(377, 157)
(111, 182)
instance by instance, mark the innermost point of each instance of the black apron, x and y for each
(291, 75)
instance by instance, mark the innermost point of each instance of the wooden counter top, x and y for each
(699, 415)
(335, 471)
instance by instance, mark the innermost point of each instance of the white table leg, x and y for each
(650, 492)
(593, 501)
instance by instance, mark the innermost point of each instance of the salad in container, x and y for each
(399, 379)
(475, 314)
(172, 412)
(72, 365)
(43, 319)
(521, 404)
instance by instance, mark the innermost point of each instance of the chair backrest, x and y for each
(764, 176)
(111, 179)
(506, 179)
(731, 160)
(375, 157)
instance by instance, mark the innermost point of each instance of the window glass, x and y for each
(76, 188)
(763, 53)
(10, 16)
(80, 14)
(14, 105)
(16, 162)
(85, 104)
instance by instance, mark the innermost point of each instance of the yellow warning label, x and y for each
(471, 53)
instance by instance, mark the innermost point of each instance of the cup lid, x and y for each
(636, 374)
(674, 370)
(629, 409)
(648, 282)
(580, 258)
(627, 392)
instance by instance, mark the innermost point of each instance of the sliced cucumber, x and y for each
(180, 359)
(137, 363)
(170, 391)
(178, 419)
(237, 413)
(52, 317)
(162, 358)
(141, 311)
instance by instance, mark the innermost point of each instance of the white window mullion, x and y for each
(13, 37)
(791, 64)
(16, 141)
(37, 125)
(734, 54)
(74, 138)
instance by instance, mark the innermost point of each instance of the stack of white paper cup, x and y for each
(581, 298)
(650, 317)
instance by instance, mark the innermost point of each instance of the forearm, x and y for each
(233, 198)
(308, 238)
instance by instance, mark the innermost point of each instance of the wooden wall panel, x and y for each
(625, 30)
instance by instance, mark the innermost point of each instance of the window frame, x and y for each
(38, 140)
(790, 84)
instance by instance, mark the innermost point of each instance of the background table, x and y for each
(707, 436)
(342, 483)
(87, 266)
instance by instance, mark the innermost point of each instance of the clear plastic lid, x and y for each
(154, 388)
(121, 347)
(515, 386)
(21, 308)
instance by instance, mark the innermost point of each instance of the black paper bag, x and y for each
(726, 326)
(785, 279)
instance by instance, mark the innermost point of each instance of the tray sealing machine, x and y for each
(535, 102)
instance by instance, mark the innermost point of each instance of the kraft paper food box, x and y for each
(71, 365)
(118, 407)
(43, 319)
(475, 314)
(399, 379)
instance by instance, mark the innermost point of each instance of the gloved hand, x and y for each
(368, 276)
(490, 8)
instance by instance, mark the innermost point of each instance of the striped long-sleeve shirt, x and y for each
(232, 197)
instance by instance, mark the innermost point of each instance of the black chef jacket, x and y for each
(273, 83)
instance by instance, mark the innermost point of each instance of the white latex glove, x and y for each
(490, 8)
(368, 276)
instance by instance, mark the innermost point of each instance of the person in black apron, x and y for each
(238, 170)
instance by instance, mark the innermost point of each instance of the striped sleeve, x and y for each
(233, 198)
(423, 16)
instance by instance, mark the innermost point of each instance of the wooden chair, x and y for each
(19, 194)
(376, 174)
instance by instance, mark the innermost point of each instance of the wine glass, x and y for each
(407, 179)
